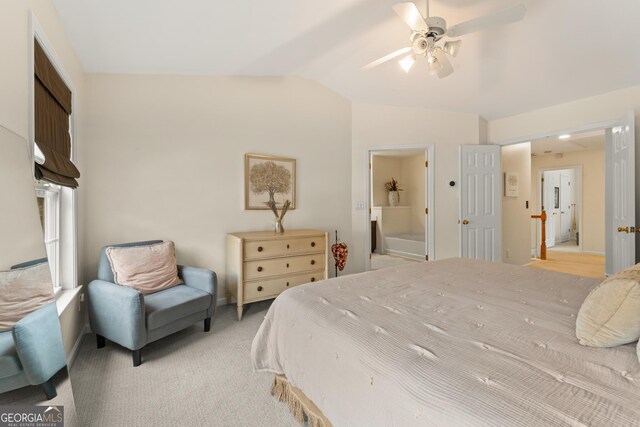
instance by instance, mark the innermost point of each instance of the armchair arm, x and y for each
(117, 313)
(202, 279)
(38, 341)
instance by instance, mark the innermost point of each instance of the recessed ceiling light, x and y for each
(565, 136)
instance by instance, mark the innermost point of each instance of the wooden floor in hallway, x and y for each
(580, 264)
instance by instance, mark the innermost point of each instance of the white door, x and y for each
(549, 203)
(480, 197)
(566, 210)
(620, 196)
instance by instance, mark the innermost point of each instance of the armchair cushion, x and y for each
(22, 291)
(162, 308)
(147, 269)
(104, 266)
(9, 361)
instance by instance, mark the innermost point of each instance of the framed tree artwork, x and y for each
(268, 178)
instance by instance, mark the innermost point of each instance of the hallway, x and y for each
(579, 264)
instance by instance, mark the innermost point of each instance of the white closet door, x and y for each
(480, 202)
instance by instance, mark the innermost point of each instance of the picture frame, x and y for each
(511, 184)
(270, 173)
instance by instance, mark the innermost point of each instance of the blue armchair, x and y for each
(131, 319)
(32, 352)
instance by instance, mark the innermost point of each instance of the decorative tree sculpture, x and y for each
(267, 177)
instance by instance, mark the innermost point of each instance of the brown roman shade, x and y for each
(52, 110)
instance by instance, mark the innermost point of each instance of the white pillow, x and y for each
(147, 269)
(610, 315)
(22, 291)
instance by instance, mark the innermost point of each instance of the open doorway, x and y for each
(399, 202)
(568, 184)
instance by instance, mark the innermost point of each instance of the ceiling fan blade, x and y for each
(505, 16)
(411, 15)
(447, 68)
(386, 58)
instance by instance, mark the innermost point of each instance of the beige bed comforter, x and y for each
(448, 343)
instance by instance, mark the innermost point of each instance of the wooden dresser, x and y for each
(262, 264)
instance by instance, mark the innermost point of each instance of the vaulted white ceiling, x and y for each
(563, 50)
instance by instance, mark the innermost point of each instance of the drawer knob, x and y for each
(259, 268)
(313, 279)
(259, 288)
(313, 261)
(260, 248)
(313, 244)
(287, 283)
(287, 246)
(287, 265)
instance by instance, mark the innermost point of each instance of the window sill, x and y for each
(64, 297)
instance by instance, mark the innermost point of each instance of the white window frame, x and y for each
(67, 197)
(51, 195)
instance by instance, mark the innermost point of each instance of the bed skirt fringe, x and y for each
(299, 404)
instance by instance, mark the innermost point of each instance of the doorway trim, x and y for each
(579, 193)
(429, 149)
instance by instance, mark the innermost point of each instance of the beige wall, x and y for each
(166, 160)
(413, 172)
(593, 209)
(409, 171)
(383, 168)
(516, 217)
(375, 126)
(14, 96)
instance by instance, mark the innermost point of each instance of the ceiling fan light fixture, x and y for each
(434, 66)
(420, 45)
(452, 47)
(407, 62)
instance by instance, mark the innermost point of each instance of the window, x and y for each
(56, 176)
(49, 206)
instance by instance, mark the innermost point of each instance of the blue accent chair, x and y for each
(131, 319)
(31, 353)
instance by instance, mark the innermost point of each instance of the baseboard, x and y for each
(593, 253)
(221, 301)
(74, 351)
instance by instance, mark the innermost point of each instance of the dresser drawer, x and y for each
(270, 288)
(284, 247)
(275, 267)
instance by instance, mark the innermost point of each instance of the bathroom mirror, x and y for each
(33, 363)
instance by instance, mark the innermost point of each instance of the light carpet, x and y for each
(190, 378)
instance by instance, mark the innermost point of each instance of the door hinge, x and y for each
(426, 257)
(369, 256)
(426, 211)
(426, 164)
(369, 211)
(369, 165)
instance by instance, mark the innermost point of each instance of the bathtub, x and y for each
(408, 245)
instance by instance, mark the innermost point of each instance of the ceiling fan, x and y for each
(427, 31)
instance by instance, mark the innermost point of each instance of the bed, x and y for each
(446, 343)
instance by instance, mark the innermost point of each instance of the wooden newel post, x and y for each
(543, 244)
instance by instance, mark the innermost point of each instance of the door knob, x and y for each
(465, 222)
(623, 229)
